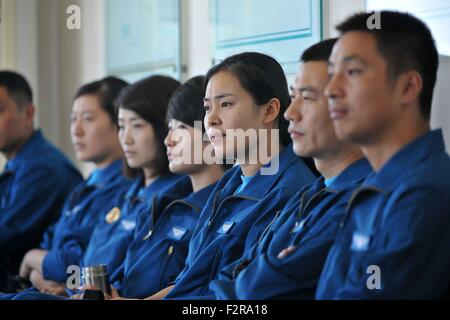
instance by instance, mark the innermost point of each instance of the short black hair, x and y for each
(186, 104)
(406, 43)
(107, 90)
(149, 98)
(263, 78)
(319, 52)
(17, 86)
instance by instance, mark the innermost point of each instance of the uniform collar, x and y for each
(26, 150)
(199, 198)
(260, 184)
(159, 184)
(353, 174)
(406, 160)
(104, 175)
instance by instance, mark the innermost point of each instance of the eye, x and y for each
(181, 126)
(308, 98)
(354, 72)
(206, 108)
(226, 104)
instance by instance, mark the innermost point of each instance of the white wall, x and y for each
(196, 49)
(440, 116)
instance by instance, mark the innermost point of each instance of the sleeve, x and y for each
(414, 260)
(295, 276)
(57, 260)
(31, 200)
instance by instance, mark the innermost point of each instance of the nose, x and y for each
(293, 112)
(125, 136)
(168, 140)
(76, 127)
(212, 118)
(333, 90)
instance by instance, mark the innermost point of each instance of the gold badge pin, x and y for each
(113, 215)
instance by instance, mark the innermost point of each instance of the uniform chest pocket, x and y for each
(360, 241)
(127, 225)
(229, 227)
(178, 233)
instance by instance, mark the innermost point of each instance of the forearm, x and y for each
(161, 294)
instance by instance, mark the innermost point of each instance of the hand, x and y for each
(114, 293)
(46, 286)
(25, 269)
(33, 259)
(284, 253)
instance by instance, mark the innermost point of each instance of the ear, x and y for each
(272, 110)
(29, 113)
(412, 85)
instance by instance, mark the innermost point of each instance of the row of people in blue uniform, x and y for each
(359, 106)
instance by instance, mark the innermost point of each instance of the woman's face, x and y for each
(184, 148)
(229, 106)
(94, 136)
(137, 138)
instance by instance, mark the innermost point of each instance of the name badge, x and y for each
(226, 227)
(113, 215)
(177, 232)
(360, 242)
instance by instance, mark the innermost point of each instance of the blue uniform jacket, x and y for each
(396, 237)
(67, 240)
(33, 188)
(159, 249)
(230, 224)
(309, 222)
(112, 236)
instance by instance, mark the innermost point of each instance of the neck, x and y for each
(379, 151)
(108, 160)
(149, 176)
(249, 170)
(11, 154)
(209, 175)
(334, 164)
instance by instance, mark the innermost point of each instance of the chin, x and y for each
(82, 157)
(174, 169)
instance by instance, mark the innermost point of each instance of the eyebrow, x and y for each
(131, 119)
(350, 58)
(308, 89)
(221, 96)
(72, 113)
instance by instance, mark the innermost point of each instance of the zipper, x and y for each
(214, 268)
(164, 266)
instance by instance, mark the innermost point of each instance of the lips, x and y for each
(214, 135)
(337, 113)
(296, 133)
(78, 146)
(129, 154)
